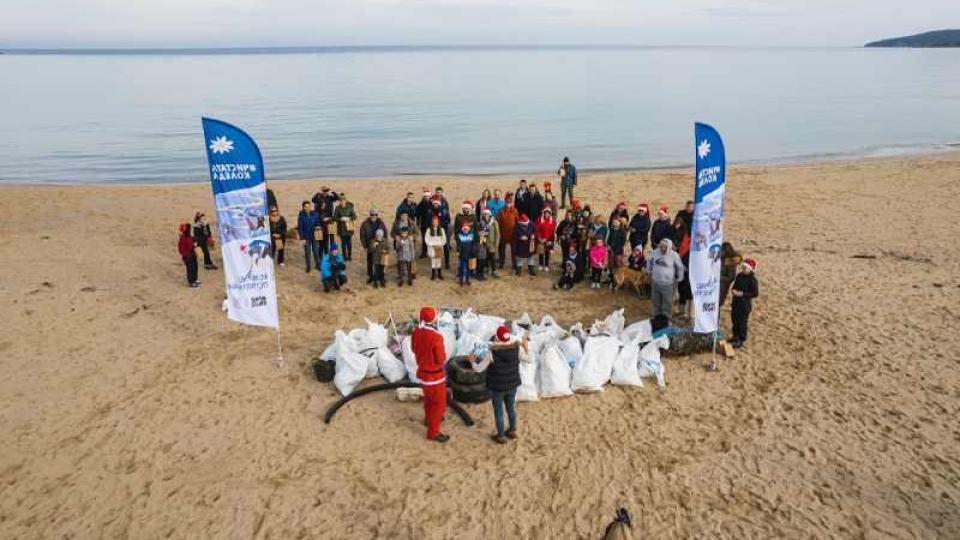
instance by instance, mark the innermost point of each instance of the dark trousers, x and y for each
(370, 269)
(502, 255)
(492, 261)
(324, 245)
(276, 253)
(544, 258)
(566, 282)
(334, 282)
(346, 246)
(207, 261)
(566, 194)
(191, 264)
(423, 242)
(501, 401)
(378, 274)
(596, 274)
(311, 248)
(405, 272)
(740, 315)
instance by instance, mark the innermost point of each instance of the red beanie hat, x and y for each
(503, 333)
(428, 314)
(183, 227)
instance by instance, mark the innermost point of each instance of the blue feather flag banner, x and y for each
(706, 235)
(240, 197)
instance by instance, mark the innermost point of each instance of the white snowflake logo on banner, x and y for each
(221, 145)
(704, 149)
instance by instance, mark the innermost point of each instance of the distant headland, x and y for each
(937, 38)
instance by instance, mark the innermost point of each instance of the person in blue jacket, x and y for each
(333, 270)
(308, 225)
(568, 180)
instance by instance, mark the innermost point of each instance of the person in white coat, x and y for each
(435, 239)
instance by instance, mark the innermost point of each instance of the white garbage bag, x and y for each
(373, 370)
(330, 353)
(351, 369)
(554, 373)
(528, 382)
(487, 326)
(409, 359)
(389, 365)
(641, 330)
(625, 369)
(572, 350)
(467, 344)
(577, 330)
(343, 343)
(468, 321)
(594, 369)
(447, 327)
(547, 324)
(650, 364)
(611, 326)
(376, 334)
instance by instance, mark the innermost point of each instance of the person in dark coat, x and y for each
(278, 235)
(308, 228)
(620, 212)
(568, 181)
(640, 227)
(187, 249)
(502, 364)
(566, 232)
(466, 249)
(409, 207)
(523, 235)
(442, 214)
(323, 203)
(661, 228)
(521, 198)
(536, 203)
(203, 237)
(271, 199)
(616, 241)
(424, 216)
(729, 264)
(745, 289)
(686, 215)
(368, 231)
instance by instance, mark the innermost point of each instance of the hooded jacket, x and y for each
(327, 264)
(507, 219)
(665, 268)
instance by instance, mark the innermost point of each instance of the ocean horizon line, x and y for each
(332, 49)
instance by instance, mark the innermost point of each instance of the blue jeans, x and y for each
(499, 399)
(311, 249)
(463, 271)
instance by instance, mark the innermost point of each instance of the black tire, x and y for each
(461, 372)
(686, 343)
(470, 393)
(324, 369)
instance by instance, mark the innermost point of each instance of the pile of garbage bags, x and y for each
(565, 360)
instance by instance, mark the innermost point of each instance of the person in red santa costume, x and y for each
(427, 344)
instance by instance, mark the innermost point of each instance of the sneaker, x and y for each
(283, 264)
(511, 435)
(499, 439)
(195, 284)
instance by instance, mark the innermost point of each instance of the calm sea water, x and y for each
(136, 117)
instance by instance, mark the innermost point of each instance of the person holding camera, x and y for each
(502, 364)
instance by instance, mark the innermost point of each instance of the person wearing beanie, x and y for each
(568, 269)
(346, 219)
(666, 271)
(661, 228)
(187, 248)
(428, 349)
(308, 229)
(406, 253)
(489, 236)
(403, 223)
(380, 251)
(598, 261)
(278, 234)
(507, 220)
(368, 232)
(333, 270)
(502, 364)
(546, 230)
(620, 212)
(523, 240)
(636, 261)
(204, 239)
(745, 289)
(435, 239)
(467, 252)
(639, 229)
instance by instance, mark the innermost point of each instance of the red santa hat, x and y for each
(665, 209)
(643, 206)
(428, 314)
(751, 263)
(524, 218)
(547, 186)
(503, 333)
(622, 205)
(435, 199)
(466, 203)
(509, 196)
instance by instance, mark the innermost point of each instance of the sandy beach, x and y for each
(131, 407)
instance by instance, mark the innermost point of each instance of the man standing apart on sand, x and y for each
(568, 180)
(427, 344)
(308, 227)
(744, 290)
(666, 270)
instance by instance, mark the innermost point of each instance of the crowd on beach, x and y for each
(520, 231)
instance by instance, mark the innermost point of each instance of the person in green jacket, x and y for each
(346, 218)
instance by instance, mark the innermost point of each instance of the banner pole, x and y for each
(280, 364)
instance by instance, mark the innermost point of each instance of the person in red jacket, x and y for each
(427, 344)
(546, 228)
(187, 246)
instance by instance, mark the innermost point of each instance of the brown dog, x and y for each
(635, 279)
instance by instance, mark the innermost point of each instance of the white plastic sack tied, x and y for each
(554, 373)
(650, 364)
(528, 382)
(594, 369)
(409, 360)
(389, 365)
(611, 326)
(641, 331)
(572, 350)
(351, 369)
(448, 329)
(625, 367)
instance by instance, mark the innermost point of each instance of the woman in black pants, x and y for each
(202, 235)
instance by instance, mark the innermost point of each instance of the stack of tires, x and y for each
(467, 385)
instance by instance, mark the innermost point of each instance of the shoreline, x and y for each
(946, 151)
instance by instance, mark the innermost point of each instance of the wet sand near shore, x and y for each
(132, 408)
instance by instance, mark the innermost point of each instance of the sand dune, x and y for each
(132, 408)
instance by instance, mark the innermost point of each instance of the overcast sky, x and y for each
(224, 23)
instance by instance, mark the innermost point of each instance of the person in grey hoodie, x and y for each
(666, 270)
